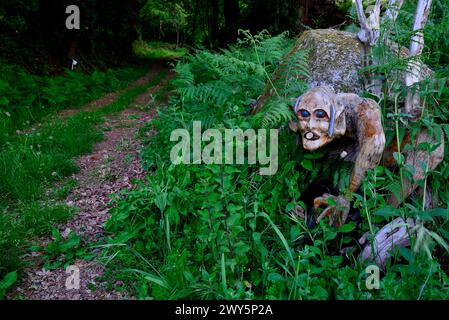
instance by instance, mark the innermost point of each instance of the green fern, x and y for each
(215, 86)
(275, 112)
(289, 82)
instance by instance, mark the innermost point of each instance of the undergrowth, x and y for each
(155, 50)
(225, 232)
(31, 162)
(25, 98)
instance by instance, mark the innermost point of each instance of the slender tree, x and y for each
(231, 10)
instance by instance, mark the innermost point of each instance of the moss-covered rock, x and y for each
(335, 59)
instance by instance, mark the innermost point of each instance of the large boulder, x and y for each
(335, 59)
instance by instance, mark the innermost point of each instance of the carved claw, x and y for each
(337, 213)
(298, 211)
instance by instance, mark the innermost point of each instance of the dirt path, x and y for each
(111, 167)
(111, 97)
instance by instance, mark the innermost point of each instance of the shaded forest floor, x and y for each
(112, 166)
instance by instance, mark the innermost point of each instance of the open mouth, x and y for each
(311, 136)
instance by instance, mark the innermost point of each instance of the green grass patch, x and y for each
(24, 221)
(63, 191)
(29, 165)
(126, 98)
(157, 50)
(26, 99)
(45, 155)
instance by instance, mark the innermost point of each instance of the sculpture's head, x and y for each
(320, 118)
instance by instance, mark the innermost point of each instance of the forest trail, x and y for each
(111, 167)
(155, 69)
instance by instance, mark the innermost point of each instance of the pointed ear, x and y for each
(337, 125)
(293, 126)
(298, 101)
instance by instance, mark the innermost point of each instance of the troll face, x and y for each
(320, 117)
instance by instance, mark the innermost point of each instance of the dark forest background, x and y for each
(33, 32)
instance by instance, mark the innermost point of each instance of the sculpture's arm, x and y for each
(368, 128)
(371, 139)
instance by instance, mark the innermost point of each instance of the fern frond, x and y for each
(395, 188)
(274, 113)
(185, 76)
(215, 93)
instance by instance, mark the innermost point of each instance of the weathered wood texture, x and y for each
(370, 27)
(412, 102)
(336, 59)
(392, 12)
(392, 236)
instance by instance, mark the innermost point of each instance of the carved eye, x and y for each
(320, 114)
(304, 113)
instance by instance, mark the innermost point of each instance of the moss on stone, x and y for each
(335, 58)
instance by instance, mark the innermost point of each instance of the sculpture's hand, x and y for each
(337, 213)
(298, 212)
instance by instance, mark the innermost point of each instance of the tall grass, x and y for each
(31, 162)
(26, 98)
(231, 232)
(157, 50)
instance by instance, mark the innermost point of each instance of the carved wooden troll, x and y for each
(324, 116)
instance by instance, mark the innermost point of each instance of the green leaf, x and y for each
(348, 227)
(295, 232)
(8, 280)
(307, 164)
(256, 237)
(241, 248)
(234, 219)
(445, 234)
(398, 157)
(386, 212)
(4, 101)
(432, 213)
(223, 275)
(313, 156)
(55, 233)
(275, 277)
(331, 201)
(406, 253)
(156, 280)
(233, 208)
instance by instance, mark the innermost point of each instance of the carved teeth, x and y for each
(309, 135)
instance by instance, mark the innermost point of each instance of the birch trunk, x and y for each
(412, 102)
(370, 27)
(369, 35)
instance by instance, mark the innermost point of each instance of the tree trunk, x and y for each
(412, 102)
(369, 34)
(193, 24)
(231, 10)
(213, 22)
